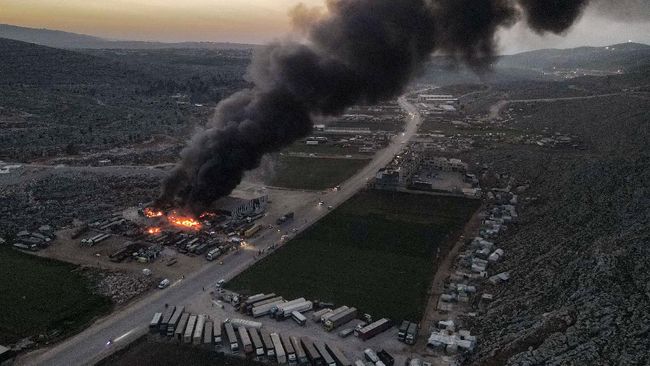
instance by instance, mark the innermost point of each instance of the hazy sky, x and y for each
(259, 21)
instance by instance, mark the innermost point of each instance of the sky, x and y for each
(261, 21)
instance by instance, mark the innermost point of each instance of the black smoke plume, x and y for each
(358, 51)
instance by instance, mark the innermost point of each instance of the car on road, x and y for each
(164, 283)
(220, 283)
(329, 207)
(320, 203)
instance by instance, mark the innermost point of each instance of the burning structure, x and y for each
(358, 51)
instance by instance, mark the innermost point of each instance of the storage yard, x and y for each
(374, 246)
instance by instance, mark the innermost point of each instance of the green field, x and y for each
(314, 173)
(375, 252)
(43, 296)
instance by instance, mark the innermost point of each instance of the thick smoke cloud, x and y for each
(359, 51)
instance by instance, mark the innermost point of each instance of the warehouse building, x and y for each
(241, 204)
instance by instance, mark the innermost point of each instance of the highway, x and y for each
(125, 325)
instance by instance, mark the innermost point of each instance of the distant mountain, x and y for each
(625, 57)
(60, 39)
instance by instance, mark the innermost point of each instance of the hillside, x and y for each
(60, 39)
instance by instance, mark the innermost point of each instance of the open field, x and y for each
(314, 173)
(373, 247)
(50, 298)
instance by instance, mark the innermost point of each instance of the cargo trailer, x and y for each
(274, 300)
(251, 299)
(328, 360)
(300, 351)
(257, 300)
(155, 322)
(299, 307)
(173, 321)
(268, 343)
(411, 334)
(263, 310)
(280, 307)
(332, 313)
(217, 333)
(189, 329)
(244, 323)
(373, 329)
(246, 343)
(371, 355)
(337, 320)
(289, 350)
(338, 355)
(401, 333)
(280, 356)
(386, 358)
(167, 314)
(180, 328)
(318, 314)
(197, 337)
(232, 338)
(207, 333)
(298, 318)
(312, 353)
(258, 345)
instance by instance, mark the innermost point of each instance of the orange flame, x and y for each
(207, 215)
(153, 230)
(150, 212)
(184, 221)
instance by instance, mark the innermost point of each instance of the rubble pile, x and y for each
(120, 286)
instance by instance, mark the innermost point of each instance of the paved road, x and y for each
(129, 323)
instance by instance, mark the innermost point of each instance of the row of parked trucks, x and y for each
(408, 332)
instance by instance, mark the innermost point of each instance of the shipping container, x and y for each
(232, 338)
(299, 307)
(373, 329)
(280, 356)
(301, 356)
(258, 345)
(312, 353)
(288, 349)
(328, 360)
(173, 321)
(340, 319)
(338, 355)
(155, 322)
(189, 329)
(299, 318)
(180, 328)
(268, 343)
(255, 299)
(246, 343)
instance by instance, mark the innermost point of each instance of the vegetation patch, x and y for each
(314, 173)
(375, 252)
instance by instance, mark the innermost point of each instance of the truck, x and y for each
(299, 307)
(373, 329)
(167, 315)
(198, 329)
(217, 333)
(265, 309)
(232, 338)
(258, 345)
(213, 254)
(318, 314)
(339, 319)
(312, 353)
(244, 323)
(401, 333)
(332, 313)
(173, 321)
(411, 334)
(189, 329)
(249, 308)
(180, 328)
(386, 358)
(257, 297)
(280, 356)
(155, 322)
(327, 358)
(371, 355)
(285, 218)
(252, 231)
(279, 308)
(338, 355)
(289, 350)
(207, 333)
(300, 351)
(268, 344)
(246, 342)
(298, 318)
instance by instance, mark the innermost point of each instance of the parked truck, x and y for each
(300, 351)
(340, 319)
(332, 313)
(252, 231)
(246, 342)
(318, 314)
(280, 355)
(298, 318)
(232, 338)
(328, 360)
(401, 333)
(155, 322)
(244, 323)
(338, 355)
(249, 308)
(258, 345)
(217, 333)
(207, 333)
(373, 329)
(264, 309)
(312, 353)
(411, 334)
(180, 328)
(280, 307)
(299, 307)
(386, 358)
(289, 350)
(173, 321)
(268, 344)
(167, 314)
(189, 329)
(213, 254)
(252, 300)
(198, 329)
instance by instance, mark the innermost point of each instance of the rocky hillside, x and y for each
(579, 260)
